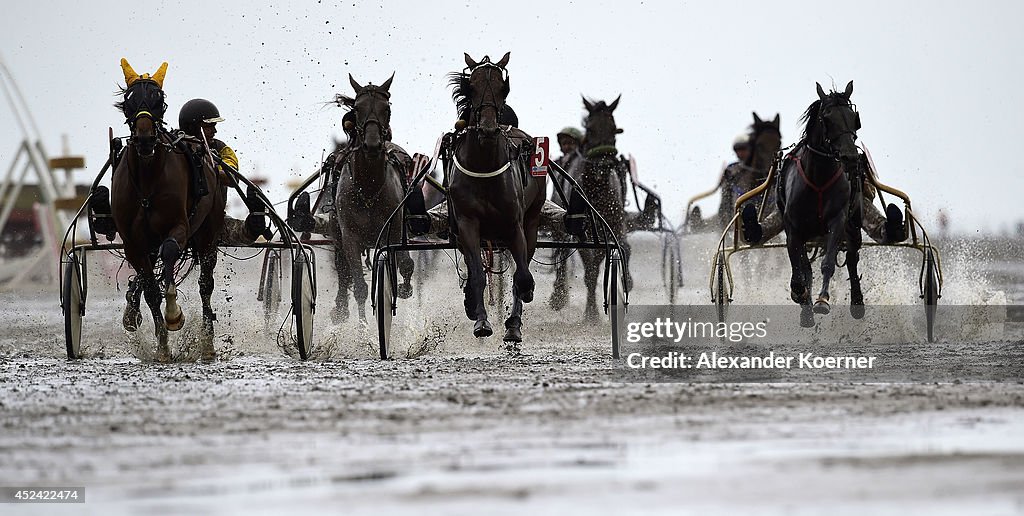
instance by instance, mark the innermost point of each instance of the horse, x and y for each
(765, 142)
(370, 184)
(820, 198)
(602, 178)
(159, 215)
(492, 195)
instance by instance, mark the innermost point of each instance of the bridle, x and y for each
(383, 122)
(831, 151)
(143, 108)
(489, 95)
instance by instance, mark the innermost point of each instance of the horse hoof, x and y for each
(482, 329)
(405, 290)
(131, 324)
(175, 324)
(821, 307)
(806, 317)
(857, 311)
(513, 334)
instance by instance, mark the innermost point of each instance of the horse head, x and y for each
(832, 124)
(143, 105)
(765, 142)
(368, 121)
(480, 93)
(599, 124)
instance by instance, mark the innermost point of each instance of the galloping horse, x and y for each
(370, 184)
(602, 177)
(819, 179)
(492, 195)
(157, 213)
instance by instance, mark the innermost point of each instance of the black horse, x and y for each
(602, 177)
(492, 195)
(765, 142)
(369, 174)
(819, 180)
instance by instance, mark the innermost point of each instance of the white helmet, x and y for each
(742, 139)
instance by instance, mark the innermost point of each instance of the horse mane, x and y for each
(344, 101)
(121, 90)
(810, 114)
(459, 82)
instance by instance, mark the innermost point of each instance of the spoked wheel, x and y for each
(303, 301)
(670, 267)
(931, 292)
(383, 302)
(272, 286)
(720, 290)
(616, 299)
(74, 303)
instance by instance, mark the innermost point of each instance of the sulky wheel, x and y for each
(616, 299)
(930, 292)
(721, 293)
(272, 286)
(73, 303)
(383, 302)
(303, 298)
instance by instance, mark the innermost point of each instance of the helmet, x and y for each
(571, 132)
(742, 140)
(197, 112)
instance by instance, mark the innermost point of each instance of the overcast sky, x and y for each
(937, 83)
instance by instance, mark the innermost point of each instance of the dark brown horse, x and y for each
(159, 215)
(819, 179)
(492, 195)
(370, 184)
(602, 177)
(765, 142)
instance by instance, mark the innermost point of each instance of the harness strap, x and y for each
(819, 190)
(470, 173)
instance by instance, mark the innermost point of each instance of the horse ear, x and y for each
(469, 61)
(776, 122)
(615, 104)
(355, 85)
(821, 92)
(587, 104)
(129, 74)
(504, 60)
(619, 130)
(849, 90)
(757, 119)
(387, 84)
(158, 77)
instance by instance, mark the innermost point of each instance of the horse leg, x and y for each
(151, 290)
(406, 265)
(170, 251)
(828, 263)
(207, 262)
(799, 283)
(132, 318)
(522, 286)
(591, 267)
(469, 245)
(340, 312)
(560, 293)
(853, 244)
(360, 290)
(626, 253)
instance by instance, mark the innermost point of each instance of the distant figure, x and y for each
(734, 180)
(569, 141)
